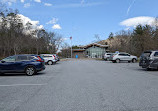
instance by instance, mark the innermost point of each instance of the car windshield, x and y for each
(146, 54)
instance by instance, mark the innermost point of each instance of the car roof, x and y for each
(108, 53)
(155, 51)
(26, 55)
(122, 53)
(150, 51)
(46, 54)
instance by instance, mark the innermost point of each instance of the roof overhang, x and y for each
(78, 50)
(96, 44)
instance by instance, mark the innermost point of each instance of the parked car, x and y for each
(149, 60)
(30, 64)
(122, 56)
(106, 56)
(56, 57)
(49, 59)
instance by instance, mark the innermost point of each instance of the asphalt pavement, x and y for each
(81, 85)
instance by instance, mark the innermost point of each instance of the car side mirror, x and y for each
(2, 61)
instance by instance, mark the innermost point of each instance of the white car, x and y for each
(117, 57)
(49, 58)
(107, 56)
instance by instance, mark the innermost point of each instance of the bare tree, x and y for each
(15, 38)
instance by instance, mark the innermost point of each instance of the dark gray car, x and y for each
(149, 60)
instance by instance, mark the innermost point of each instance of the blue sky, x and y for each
(82, 19)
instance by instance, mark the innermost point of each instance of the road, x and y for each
(81, 85)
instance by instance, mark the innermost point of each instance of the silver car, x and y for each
(49, 59)
(107, 56)
(149, 60)
(122, 56)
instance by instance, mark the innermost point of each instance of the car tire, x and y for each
(134, 60)
(30, 70)
(50, 63)
(1, 73)
(117, 60)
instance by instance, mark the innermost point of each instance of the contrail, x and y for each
(129, 8)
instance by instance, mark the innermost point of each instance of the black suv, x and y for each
(149, 60)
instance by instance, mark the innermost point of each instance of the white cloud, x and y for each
(47, 4)
(35, 24)
(27, 5)
(53, 21)
(22, 1)
(37, 1)
(133, 22)
(56, 26)
(9, 2)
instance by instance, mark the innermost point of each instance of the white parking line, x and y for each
(23, 85)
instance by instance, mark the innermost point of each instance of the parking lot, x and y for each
(81, 85)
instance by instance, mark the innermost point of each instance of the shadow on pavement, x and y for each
(53, 64)
(20, 74)
(145, 70)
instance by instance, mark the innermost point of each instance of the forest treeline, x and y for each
(141, 38)
(19, 38)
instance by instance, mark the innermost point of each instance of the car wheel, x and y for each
(30, 70)
(117, 60)
(1, 73)
(105, 59)
(49, 62)
(134, 60)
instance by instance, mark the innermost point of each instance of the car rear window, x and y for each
(146, 54)
(45, 56)
(156, 54)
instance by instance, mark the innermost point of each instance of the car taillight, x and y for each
(39, 59)
(53, 56)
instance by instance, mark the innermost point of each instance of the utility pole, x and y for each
(71, 46)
